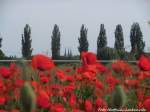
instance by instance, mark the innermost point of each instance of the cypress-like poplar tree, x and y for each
(83, 42)
(1, 42)
(69, 53)
(101, 40)
(26, 42)
(2, 55)
(55, 42)
(65, 54)
(136, 39)
(119, 39)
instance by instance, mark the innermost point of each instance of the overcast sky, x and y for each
(41, 15)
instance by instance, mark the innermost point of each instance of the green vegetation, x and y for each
(26, 42)
(103, 51)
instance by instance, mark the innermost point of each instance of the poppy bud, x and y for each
(118, 97)
(27, 98)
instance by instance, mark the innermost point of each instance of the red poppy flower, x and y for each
(1, 85)
(69, 88)
(88, 106)
(42, 62)
(88, 58)
(91, 68)
(89, 63)
(140, 94)
(68, 70)
(5, 72)
(144, 63)
(41, 74)
(72, 100)
(19, 83)
(57, 108)
(88, 75)
(80, 70)
(101, 68)
(132, 83)
(99, 92)
(35, 85)
(111, 80)
(147, 104)
(43, 99)
(12, 67)
(147, 86)
(2, 100)
(79, 77)
(99, 102)
(15, 110)
(76, 110)
(140, 105)
(99, 84)
(55, 86)
(69, 78)
(44, 79)
(61, 75)
(3, 110)
(122, 67)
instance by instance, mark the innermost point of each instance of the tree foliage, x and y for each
(2, 55)
(136, 39)
(101, 40)
(55, 43)
(69, 53)
(1, 42)
(119, 39)
(107, 53)
(83, 42)
(26, 42)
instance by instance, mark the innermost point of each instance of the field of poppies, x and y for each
(41, 86)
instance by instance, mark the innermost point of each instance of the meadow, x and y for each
(43, 86)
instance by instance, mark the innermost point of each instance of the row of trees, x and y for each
(103, 51)
(136, 40)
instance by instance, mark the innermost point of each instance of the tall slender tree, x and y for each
(83, 42)
(69, 53)
(119, 39)
(1, 41)
(65, 54)
(148, 22)
(2, 55)
(26, 42)
(136, 39)
(101, 40)
(55, 43)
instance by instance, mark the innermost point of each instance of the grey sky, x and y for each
(41, 15)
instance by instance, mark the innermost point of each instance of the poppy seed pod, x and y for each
(27, 98)
(118, 97)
